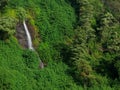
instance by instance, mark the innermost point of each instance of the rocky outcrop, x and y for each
(21, 35)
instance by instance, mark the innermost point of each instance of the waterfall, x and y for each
(29, 40)
(30, 46)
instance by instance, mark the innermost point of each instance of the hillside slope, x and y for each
(77, 40)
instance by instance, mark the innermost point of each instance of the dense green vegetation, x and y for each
(77, 40)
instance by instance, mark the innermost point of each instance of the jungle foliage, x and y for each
(78, 41)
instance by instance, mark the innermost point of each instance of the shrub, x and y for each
(3, 3)
(12, 80)
(31, 59)
(6, 27)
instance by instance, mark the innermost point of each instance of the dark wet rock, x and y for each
(31, 30)
(21, 35)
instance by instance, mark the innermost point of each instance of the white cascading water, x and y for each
(28, 36)
(30, 46)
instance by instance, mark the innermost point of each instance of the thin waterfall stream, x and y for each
(29, 41)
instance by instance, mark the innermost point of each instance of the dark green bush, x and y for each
(12, 80)
(3, 3)
(7, 27)
(31, 59)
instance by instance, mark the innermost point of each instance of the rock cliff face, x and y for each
(21, 35)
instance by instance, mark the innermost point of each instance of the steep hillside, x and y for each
(77, 40)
